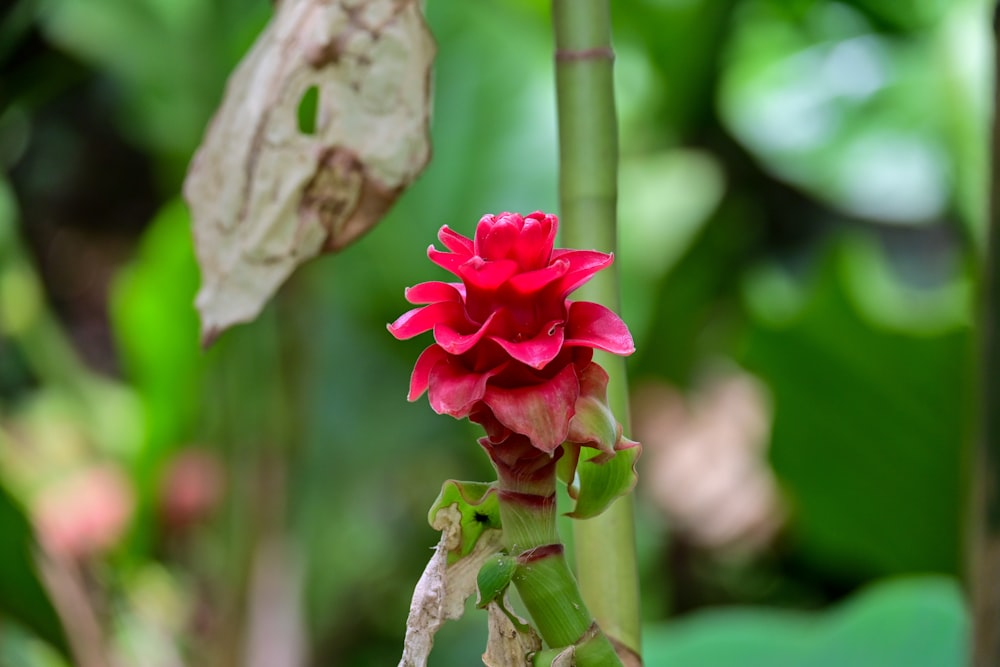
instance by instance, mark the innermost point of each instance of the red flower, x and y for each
(506, 337)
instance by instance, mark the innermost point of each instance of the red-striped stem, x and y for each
(542, 576)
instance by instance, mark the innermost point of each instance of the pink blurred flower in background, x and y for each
(191, 488)
(84, 514)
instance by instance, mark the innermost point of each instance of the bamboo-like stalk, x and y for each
(985, 583)
(542, 575)
(588, 193)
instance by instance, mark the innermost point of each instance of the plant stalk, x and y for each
(588, 194)
(543, 577)
(985, 575)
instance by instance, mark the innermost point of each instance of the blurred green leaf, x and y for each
(847, 113)
(904, 15)
(667, 88)
(169, 58)
(22, 596)
(964, 44)
(665, 200)
(157, 328)
(868, 428)
(901, 623)
(695, 310)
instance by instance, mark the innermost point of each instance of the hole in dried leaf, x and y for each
(308, 110)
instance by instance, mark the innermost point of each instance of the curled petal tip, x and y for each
(593, 325)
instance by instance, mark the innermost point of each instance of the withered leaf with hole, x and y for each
(266, 194)
(441, 593)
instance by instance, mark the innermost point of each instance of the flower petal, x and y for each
(540, 412)
(482, 229)
(455, 342)
(486, 275)
(536, 352)
(448, 261)
(419, 320)
(454, 241)
(583, 264)
(496, 433)
(453, 390)
(496, 240)
(549, 222)
(531, 250)
(593, 325)
(434, 291)
(422, 371)
(530, 282)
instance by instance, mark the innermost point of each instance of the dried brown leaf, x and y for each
(566, 658)
(507, 646)
(442, 590)
(267, 196)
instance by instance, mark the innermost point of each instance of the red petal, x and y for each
(496, 433)
(583, 264)
(455, 342)
(454, 390)
(432, 292)
(593, 325)
(533, 281)
(530, 251)
(487, 275)
(593, 382)
(419, 320)
(482, 229)
(422, 370)
(549, 224)
(536, 352)
(541, 412)
(446, 260)
(496, 241)
(454, 241)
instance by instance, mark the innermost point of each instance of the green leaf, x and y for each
(22, 596)
(919, 622)
(824, 99)
(868, 426)
(597, 485)
(494, 579)
(156, 328)
(156, 331)
(478, 505)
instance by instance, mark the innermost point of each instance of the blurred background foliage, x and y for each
(803, 202)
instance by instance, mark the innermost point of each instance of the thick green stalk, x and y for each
(985, 584)
(543, 577)
(588, 193)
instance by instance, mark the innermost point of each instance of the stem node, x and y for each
(575, 55)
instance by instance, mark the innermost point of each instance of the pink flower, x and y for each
(507, 340)
(84, 514)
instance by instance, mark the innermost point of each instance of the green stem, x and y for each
(543, 577)
(588, 192)
(985, 584)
